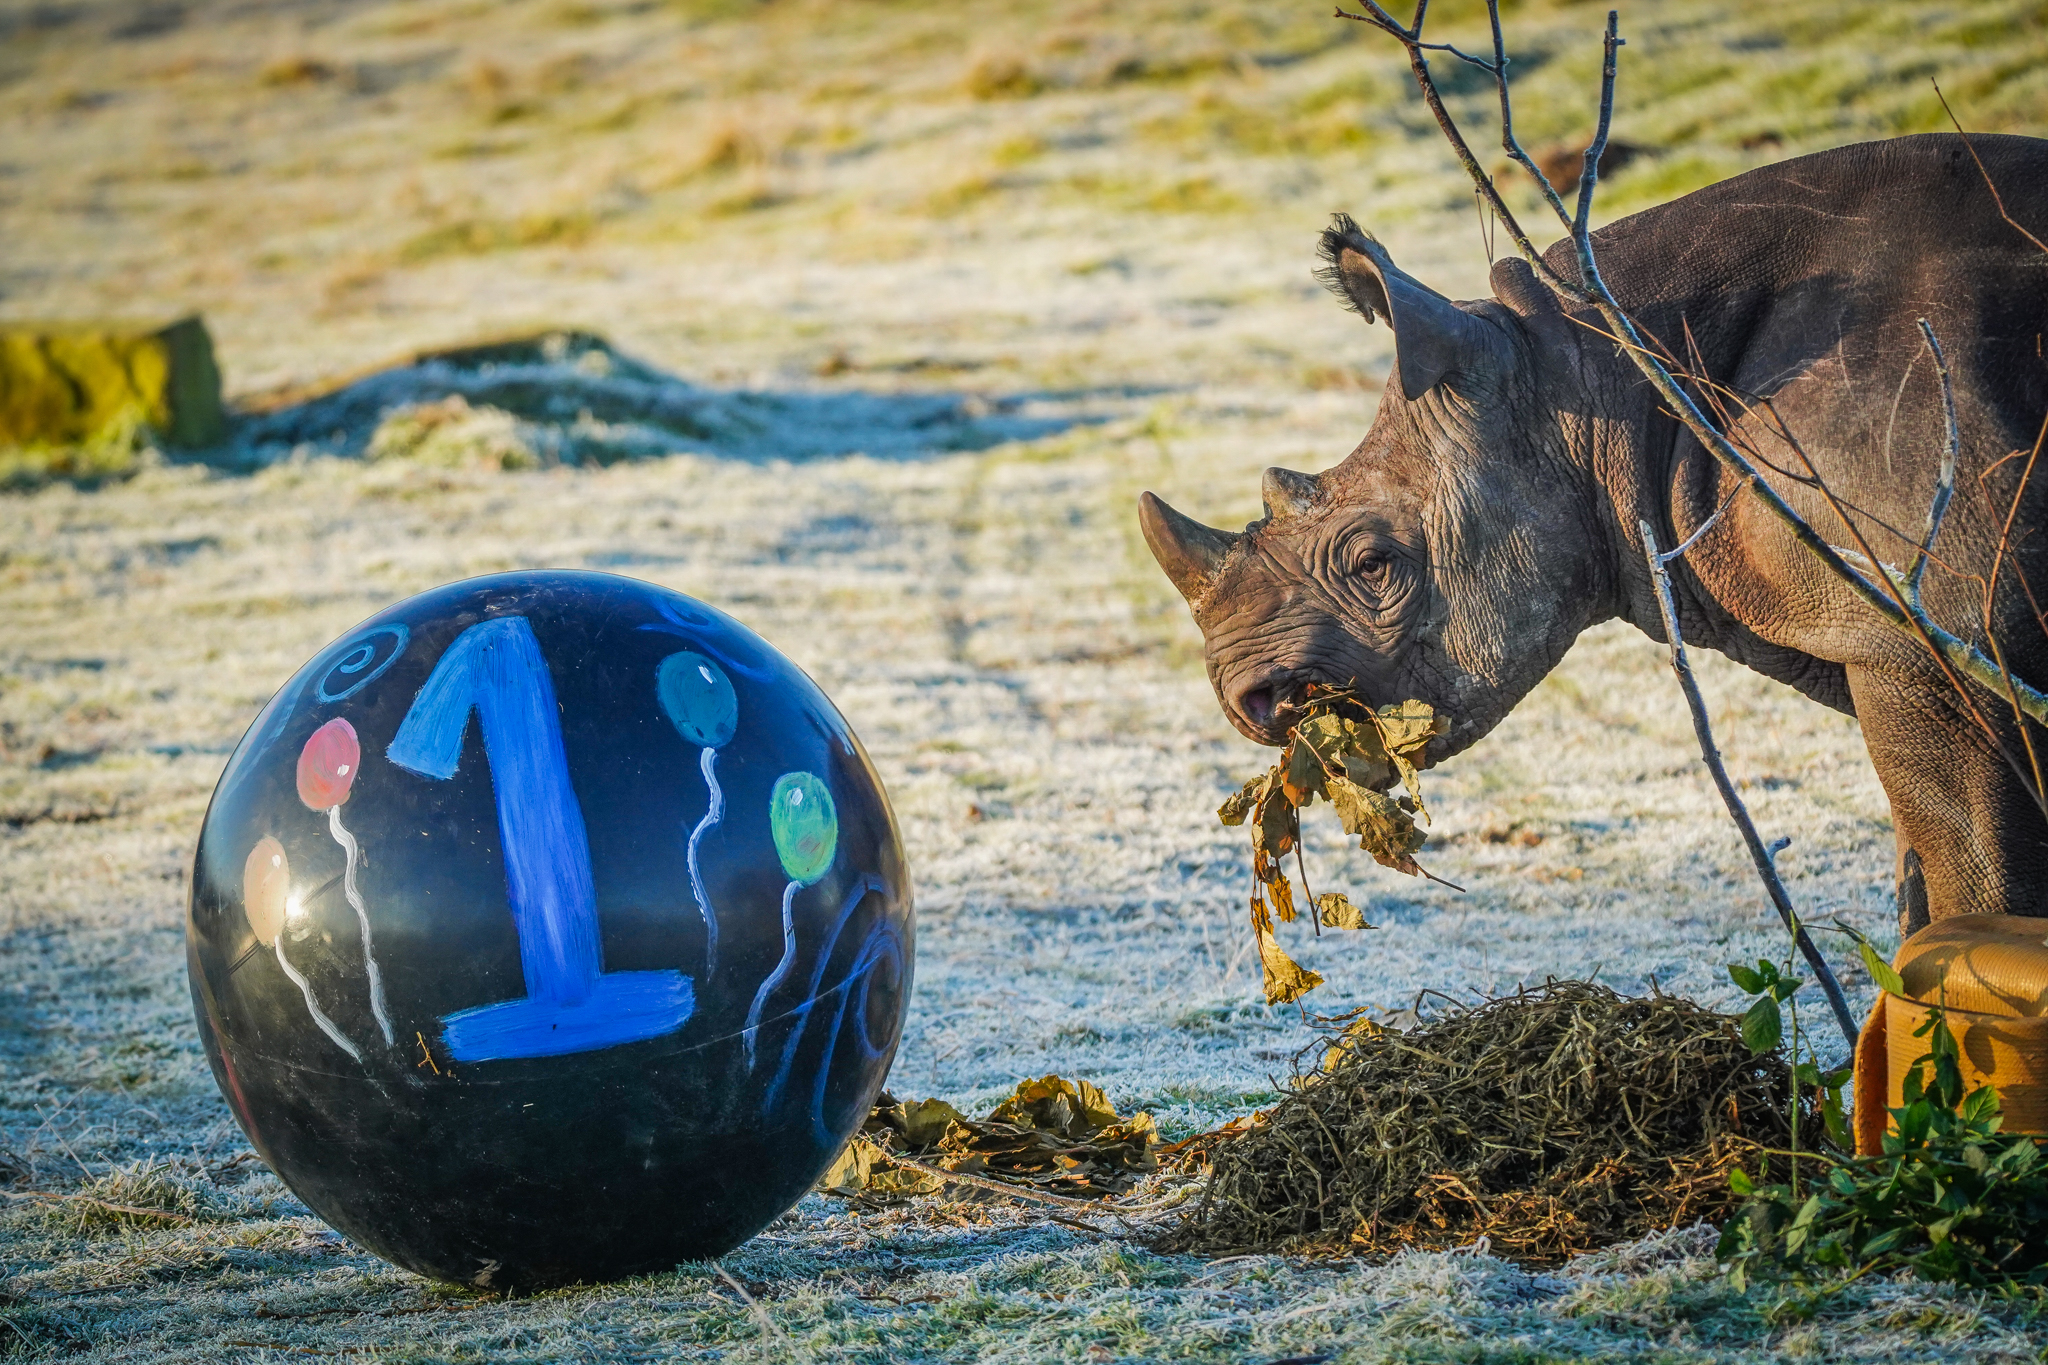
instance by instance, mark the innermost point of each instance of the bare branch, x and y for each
(1705, 527)
(1945, 487)
(1589, 174)
(1764, 858)
(1419, 65)
(2005, 545)
(1996, 197)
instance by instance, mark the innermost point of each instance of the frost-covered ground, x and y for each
(913, 302)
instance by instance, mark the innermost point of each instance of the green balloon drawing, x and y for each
(805, 825)
(698, 698)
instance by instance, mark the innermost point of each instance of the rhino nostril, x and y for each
(1257, 705)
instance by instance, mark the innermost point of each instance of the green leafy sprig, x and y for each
(1950, 1198)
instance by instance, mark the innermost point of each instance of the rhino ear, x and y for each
(1516, 285)
(1433, 337)
(1192, 554)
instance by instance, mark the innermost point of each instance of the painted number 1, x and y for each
(495, 669)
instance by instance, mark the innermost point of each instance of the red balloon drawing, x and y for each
(327, 765)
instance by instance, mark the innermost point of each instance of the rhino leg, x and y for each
(1970, 838)
(1912, 884)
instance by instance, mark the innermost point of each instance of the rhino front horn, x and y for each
(1190, 552)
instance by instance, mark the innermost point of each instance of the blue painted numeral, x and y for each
(495, 668)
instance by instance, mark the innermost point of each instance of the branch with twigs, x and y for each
(1764, 856)
(1895, 607)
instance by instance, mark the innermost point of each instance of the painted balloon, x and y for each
(805, 825)
(266, 883)
(327, 765)
(698, 698)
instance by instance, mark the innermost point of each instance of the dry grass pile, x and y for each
(1550, 1122)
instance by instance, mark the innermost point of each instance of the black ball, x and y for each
(549, 927)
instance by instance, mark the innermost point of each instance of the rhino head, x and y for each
(1452, 557)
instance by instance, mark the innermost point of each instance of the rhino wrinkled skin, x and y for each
(1491, 513)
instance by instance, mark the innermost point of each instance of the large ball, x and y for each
(549, 927)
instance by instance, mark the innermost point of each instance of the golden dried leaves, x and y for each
(1052, 1134)
(1349, 762)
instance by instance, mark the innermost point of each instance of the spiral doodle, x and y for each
(883, 942)
(363, 659)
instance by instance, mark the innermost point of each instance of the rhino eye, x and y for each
(1370, 564)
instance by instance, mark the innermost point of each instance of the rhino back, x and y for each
(1818, 268)
(1804, 282)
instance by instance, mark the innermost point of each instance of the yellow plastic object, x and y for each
(68, 383)
(1989, 976)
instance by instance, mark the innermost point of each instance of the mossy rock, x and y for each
(72, 383)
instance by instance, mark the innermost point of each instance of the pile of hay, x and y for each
(1550, 1122)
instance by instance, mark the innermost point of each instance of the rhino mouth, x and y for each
(1273, 704)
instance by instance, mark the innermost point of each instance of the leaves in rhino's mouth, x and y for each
(1349, 755)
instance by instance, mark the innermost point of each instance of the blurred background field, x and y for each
(868, 322)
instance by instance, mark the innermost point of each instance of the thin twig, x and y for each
(1766, 864)
(983, 1182)
(1705, 527)
(1991, 591)
(1589, 173)
(133, 1211)
(1945, 487)
(768, 1327)
(1989, 183)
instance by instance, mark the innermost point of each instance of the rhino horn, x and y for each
(1190, 552)
(1289, 494)
(1433, 337)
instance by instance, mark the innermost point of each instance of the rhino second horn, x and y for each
(1192, 554)
(1289, 494)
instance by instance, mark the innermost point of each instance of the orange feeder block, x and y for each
(1989, 976)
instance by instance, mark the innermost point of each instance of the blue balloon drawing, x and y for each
(700, 703)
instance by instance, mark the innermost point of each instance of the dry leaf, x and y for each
(1383, 828)
(1336, 911)
(1350, 763)
(1241, 803)
(1286, 980)
(924, 1122)
(1051, 1133)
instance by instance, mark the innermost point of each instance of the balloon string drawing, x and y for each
(699, 701)
(714, 813)
(327, 772)
(806, 829)
(273, 912)
(495, 669)
(883, 944)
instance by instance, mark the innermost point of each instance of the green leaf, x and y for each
(1745, 978)
(1837, 1122)
(1762, 1026)
(1739, 1181)
(1881, 971)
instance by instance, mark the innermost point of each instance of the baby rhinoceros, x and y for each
(1491, 513)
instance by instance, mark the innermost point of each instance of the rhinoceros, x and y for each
(1491, 512)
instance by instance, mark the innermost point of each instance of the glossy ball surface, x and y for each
(549, 927)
